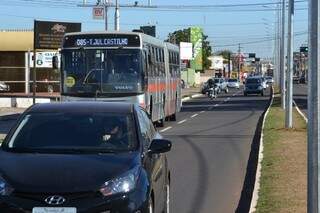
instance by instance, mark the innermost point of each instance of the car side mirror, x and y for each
(158, 146)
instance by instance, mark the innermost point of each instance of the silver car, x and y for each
(233, 83)
(4, 87)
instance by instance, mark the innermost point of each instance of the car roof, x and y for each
(82, 107)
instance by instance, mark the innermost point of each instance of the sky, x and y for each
(227, 26)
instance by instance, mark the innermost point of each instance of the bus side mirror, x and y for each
(55, 62)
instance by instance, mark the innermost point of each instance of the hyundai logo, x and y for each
(55, 200)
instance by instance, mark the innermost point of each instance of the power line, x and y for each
(259, 41)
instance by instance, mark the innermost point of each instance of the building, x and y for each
(16, 48)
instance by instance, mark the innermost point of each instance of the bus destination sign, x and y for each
(101, 40)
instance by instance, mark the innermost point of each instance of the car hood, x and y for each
(63, 173)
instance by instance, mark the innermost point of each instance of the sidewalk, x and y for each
(5, 111)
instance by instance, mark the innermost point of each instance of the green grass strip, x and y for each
(283, 183)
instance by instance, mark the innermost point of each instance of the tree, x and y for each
(184, 36)
(225, 54)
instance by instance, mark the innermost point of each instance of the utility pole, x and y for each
(313, 107)
(149, 3)
(117, 17)
(278, 30)
(289, 65)
(106, 4)
(239, 65)
(229, 65)
(282, 57)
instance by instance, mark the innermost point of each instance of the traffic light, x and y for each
(303, 49)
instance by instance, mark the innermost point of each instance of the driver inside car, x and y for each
(113, 133)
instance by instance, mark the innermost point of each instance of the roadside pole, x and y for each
(27, 72)
(117, 17)
(106, 16)
(239, 65)
(278, 83)
(282, 57)
(34, 72)
(313, 107)
(289, 65)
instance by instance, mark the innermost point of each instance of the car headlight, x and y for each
(123, 184)
(5, 188)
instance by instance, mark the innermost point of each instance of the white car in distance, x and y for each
(233, 83)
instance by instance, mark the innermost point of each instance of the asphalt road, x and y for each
(300, 96)
(211, 146)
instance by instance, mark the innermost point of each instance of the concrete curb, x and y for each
(190, 97)
(255, 195)
(300, 112)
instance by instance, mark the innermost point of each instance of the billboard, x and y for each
(44, 59)
(49, 35)
(196, 38)
(149, 30)
(186, 51)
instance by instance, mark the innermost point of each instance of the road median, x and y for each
(283, 181)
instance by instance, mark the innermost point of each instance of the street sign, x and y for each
(44, 59)
(48, 35)
(98, 13)
(303, 49)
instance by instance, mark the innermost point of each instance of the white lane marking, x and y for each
(202, 112)
(192, 116)
(216, 105)
(228, 98)
(181, 122)
(169, 127)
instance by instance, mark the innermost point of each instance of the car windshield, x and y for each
(216, 80)
(76, 132)
(232, 80)
(106, 71)
(253, 81)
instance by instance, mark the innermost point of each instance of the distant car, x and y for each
(79, 157)
(233, 83)
(4, 87)
(253, 85)
(269, 80)
(221, 84)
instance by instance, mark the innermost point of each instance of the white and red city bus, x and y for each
(120, 66)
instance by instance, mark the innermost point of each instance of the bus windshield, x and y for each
(92, 72)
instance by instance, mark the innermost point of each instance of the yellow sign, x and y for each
(70, 81)
(234, 75)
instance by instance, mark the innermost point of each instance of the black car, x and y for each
(253, 85)
(84, 157)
